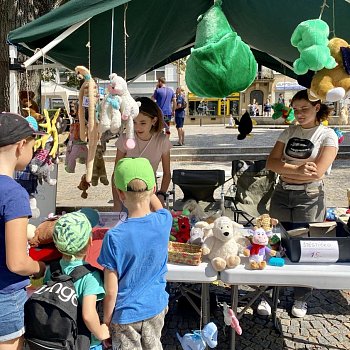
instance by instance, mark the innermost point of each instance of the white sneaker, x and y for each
(264, 308)
(299, 308)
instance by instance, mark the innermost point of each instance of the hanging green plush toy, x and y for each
(220, 62)
(311, 39)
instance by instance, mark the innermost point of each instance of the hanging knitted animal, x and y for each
(245, 126)
(129, 108)
(230, 319)
(110, 114)
(88, 91)
(99, 169)
(220, 62)
(311, 39)
(280, 110)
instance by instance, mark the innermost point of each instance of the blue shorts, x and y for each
(179, 122)
(12, 314)
(96, 347)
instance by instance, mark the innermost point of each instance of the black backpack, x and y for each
(52, 315)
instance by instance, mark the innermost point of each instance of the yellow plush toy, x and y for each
(332, 84)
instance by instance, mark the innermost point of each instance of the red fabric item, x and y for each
(45, 253)
(255, 249)
(94, 250)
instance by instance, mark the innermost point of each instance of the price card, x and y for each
(85, 101)
(319, 251)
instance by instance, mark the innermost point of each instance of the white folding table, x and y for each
(317, 275)
(203, 274)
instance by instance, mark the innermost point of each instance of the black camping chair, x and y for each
(249, 195)
(199, 185)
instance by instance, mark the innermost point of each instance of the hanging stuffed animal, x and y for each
(88, 97)
(83, 186)
(281, 110)
(311, 39)
(99, 169)
(110, 114)
(220, 62)
(129, 108)
(230, 319)
(245, 126)
(28, 105)
(198, 340)
(333, 84)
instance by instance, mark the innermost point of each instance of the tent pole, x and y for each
(53, 43)
(13, 81)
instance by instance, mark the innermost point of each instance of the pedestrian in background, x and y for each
(180, 112)
(267, 108)
(166, 101)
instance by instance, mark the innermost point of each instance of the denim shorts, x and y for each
(179, 122)
(12, 314)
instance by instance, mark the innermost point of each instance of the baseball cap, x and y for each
(14, 128)
(72, 232)
(128, 169)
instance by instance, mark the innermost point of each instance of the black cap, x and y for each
(14, 128)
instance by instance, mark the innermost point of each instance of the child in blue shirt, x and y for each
(134, 254)
(16, 151)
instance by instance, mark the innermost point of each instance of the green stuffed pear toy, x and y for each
(220, 62)
(311, 39)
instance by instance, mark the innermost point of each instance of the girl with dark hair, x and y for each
(302, 156)
(151, 143)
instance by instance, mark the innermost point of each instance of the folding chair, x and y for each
(199, 185)
(249, 195)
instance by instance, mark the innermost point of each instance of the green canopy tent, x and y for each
(160, 31)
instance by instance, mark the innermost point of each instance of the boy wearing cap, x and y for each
(134, 254)
(72, 237)
(16, 151)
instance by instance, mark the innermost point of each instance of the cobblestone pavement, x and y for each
(327, 324)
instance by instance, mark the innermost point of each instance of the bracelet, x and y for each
(161, 193)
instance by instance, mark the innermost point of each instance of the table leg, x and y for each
(275, 295)
(205, 304)
(234, 298)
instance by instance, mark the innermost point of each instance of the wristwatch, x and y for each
(161, 193)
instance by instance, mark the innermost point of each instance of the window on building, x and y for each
(155, 74)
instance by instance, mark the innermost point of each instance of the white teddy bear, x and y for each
(129, 108)
(222, 248)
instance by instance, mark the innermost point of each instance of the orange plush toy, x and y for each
(29, 106)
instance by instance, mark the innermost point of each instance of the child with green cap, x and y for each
(134, 254)
(72, 237)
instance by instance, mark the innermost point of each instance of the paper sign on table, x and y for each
(319, 251)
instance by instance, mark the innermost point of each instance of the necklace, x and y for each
(144, 148)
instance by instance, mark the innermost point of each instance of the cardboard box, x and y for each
(323, 229)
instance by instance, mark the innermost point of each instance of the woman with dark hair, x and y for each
(302, 156)
(151, 143)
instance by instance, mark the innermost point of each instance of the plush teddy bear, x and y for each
(333, 84)
(258, 250)
(43, 233)
(110, 114)
(28, 105)
(129, 108)
(99, 169)
(311, 39)
(83, 186)
(222, 248)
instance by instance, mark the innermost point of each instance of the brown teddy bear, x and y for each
(83, 186)
(99, 169)
(333, 84)
(43, 233)
(29, 106)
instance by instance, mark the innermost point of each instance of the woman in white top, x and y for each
(151, 143)
(302, 156)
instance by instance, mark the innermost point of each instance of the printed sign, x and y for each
(319, 251)
(85, 101)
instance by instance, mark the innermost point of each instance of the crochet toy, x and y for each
(220, 62)
(245, 126)
(258, 250)
(43, 233)
(280, 110)
(333, 84)
(182, 229)
(129, 108)
(76, 149)
(28, 105)
(311, 39)
(89, 91)
(110, 114)
(222, 248)
(99, 169)
(339, 134)
(230, 319)
(266, 222)
(198, 340)
(83, 186)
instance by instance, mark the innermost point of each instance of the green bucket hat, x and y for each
(128, 169)
(71, 233)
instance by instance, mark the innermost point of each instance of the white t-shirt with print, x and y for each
(304, 145)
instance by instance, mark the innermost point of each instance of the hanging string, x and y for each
(88, 45)
(112, 43)
(322, 8)
(125, 39)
